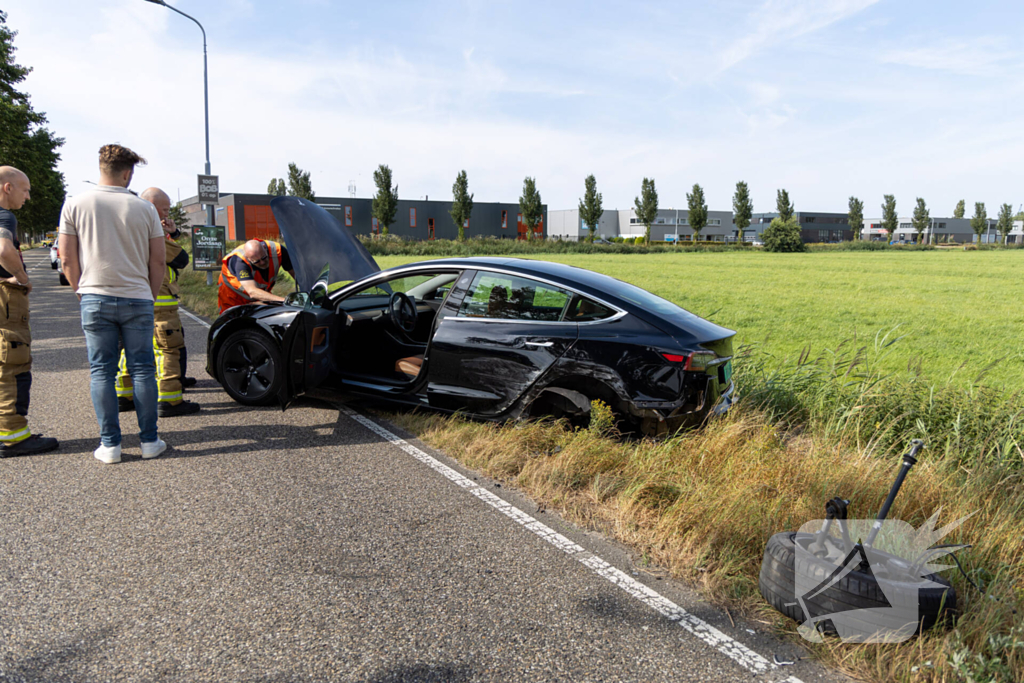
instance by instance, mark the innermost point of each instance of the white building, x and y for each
(940, 230)
(667, 226)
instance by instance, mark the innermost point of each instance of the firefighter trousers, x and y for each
(15, 363)
(168, 340)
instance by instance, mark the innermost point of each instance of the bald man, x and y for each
(168, 337)
(15, 335)
(249, 272)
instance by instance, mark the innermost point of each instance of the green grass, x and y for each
(957, 312)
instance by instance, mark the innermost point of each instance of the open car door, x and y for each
(322, 252)
(307, 342)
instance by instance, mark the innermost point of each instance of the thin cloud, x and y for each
(778, 21)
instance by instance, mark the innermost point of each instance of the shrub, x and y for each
(783, 236)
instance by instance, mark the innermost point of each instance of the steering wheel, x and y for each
(402, 311)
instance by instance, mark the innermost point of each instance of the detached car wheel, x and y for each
(250, 367)
(857, 590)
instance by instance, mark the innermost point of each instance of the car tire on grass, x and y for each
(250, 367)
(857, 590)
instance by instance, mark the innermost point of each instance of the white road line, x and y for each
(733, 649)
(194, 317)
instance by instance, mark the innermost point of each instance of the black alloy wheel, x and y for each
(249, 365)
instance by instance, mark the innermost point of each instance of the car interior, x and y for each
(397, 354)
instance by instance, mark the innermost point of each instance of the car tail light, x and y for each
(696, 361)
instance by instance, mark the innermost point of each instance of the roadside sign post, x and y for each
(208, 246)
(209, 194)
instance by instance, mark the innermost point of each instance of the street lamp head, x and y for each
(157, 2)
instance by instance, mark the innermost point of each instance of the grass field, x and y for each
(702, 504)
(952, 308)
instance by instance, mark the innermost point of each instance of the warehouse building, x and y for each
(668, 226)
(248, 216)
(814, 226)
(940, 231)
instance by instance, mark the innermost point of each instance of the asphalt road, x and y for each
(301, 546)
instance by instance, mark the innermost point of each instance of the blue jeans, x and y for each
(108, 320)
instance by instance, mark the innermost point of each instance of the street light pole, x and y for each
(211, 218)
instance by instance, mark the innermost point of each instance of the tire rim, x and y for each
(248, 369)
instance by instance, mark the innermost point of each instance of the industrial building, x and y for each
(939, 231)
(248, 216)
(668, 226)
(814, 226)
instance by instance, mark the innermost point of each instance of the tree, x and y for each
(277, 187)
(890, 221)
(921, 219)
(1005, 224)
(742, 209)
(385, 202)
(783, 236)
(979, 222)
(590, 206)
(698, 210)
(179, 217)
(783, 205)
(530, 206)
(27, 144)
(958, 212)
(647, 206)
(462, 203)
(856, 215)
(299, 184)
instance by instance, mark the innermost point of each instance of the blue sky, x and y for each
(826, 98)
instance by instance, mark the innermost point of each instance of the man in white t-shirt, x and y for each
(112, 252)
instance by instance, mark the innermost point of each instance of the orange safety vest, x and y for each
(231, 292)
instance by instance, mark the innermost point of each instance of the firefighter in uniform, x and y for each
(249, 272)
(168, 336)
(15, 335)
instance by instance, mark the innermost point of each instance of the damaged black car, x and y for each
(490, 338)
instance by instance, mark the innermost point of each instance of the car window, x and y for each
(400, 284)
(494, 295)
(583, 309)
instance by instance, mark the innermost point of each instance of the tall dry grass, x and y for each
(703, 504)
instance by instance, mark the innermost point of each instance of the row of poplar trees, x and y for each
(27, 144)
(385, 202)
(921, 218)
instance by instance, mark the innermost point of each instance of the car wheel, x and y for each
(53, 265)
(857, 590)
(250, 368)
(63, 280)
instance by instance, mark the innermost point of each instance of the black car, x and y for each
(493, 338)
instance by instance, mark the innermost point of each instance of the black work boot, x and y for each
(164, 409)
(125, 405)
(29, 446)
(188, 382)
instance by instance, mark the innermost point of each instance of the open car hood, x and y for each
(316, 239)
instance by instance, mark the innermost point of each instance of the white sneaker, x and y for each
(108, 454)
(153, 448)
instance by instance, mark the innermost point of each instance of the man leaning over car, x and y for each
(249, 272)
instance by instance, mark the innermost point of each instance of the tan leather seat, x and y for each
(410, 366)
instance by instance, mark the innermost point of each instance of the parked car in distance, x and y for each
(54, 257)
(492, 338)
